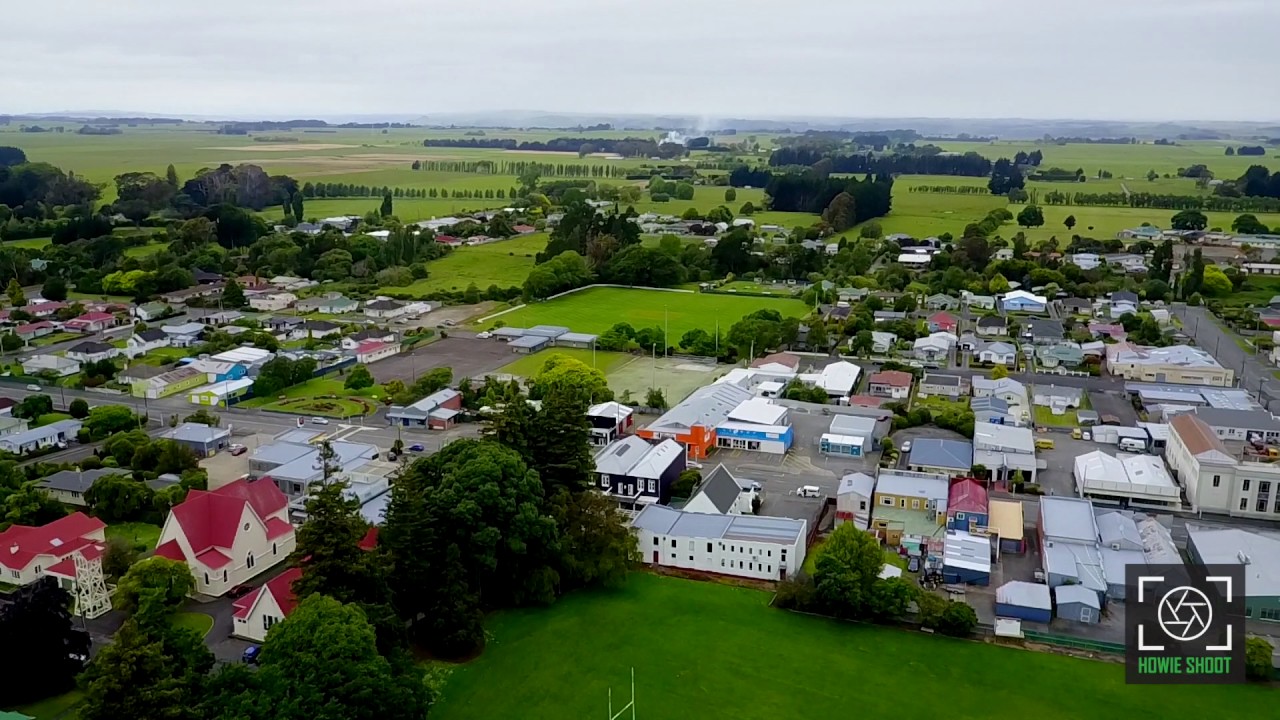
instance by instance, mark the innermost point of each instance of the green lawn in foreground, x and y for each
(598, 309)
(708, 651)
(530, 365)
(199, 622)
(50, 418)
(505, 263)
(136, 533)
(59, 707)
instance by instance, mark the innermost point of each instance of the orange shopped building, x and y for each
(693, 422)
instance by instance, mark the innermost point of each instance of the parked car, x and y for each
(251, 654)
(33, 388)
(238, 449)
(913, 565)
(319, 421)
(240, 591)
(484, 335)
(416, 447)
(906, 446)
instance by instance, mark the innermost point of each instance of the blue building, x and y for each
(1078, 603)
(966, 558)
(1023, 301)
(1024, 601)
(757, 438)
(847, 445)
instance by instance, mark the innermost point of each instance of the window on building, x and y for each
(862, 504)
(1244, 503)
(751, 566)
(708, 547)
(653, 486)
(915, 504)
(784, 554)
(1217, 480)
(690, 558)
(1261, 505)
(903, 503)
(38, 569)
(1268, 614)
(206, 577)
(770, 568)
(1264, 487)
(248, 560)
(605, 481)
(655, 541)
(721, 562)
(886, 501)
(273, 548)
(673, 543)
(1245, 486)
(769, 553)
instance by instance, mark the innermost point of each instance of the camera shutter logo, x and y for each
(1184, 613)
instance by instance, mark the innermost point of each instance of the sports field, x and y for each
(505, 263)
(595, 310)
(702, 650)
(675, 377)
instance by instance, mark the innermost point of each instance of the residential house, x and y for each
(1003, 254)
(693, 421)
(56, 364)
(882, 342)
(991, 410)
(254, 614)
(888, 316)
(1076, 306)
(39, 438)
(69, 486)
(1042, 332)
(143, 342)
(894, 384)
(609, 421)
(283, 324)
(1114, 331)
(374, 350)
(43, 309)
(915, 261)
(184, 335)
(1128, 262)
(1023, 301)
(949, 386)
(229, 535)
(723, 494)
(89, 323)
(998, 353)
(31, 331)
(979, 302)
(203, 440)
(373, 334)
(6, 406)
(993, 325)
(135, 373)
(935, 348)
(635, 473)
(438, 411)
(10, 425)
(181, 297)
(943, 322)
(328, 304)
(91, 352)
(1177, 364)
(148, 312)
(908, 503)
(215, 319)
(1057, 398)
(30, 553)
(1066, 355)
(1146, 232)
(761, 548)
(317, 329)
(1085, 261)
(941, 302)
(384, 309)
(1122, 303)
(947, 457)
(967, 505)
(272, 302)
(853, 500)
(168, 383)
(786, 362)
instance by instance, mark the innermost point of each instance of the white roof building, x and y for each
(759, 411)
(839, 378)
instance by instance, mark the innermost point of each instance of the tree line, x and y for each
(1159, 201)
(490, 167)
(950, 189)
(627, 147)
(351, 190)
(899, 163)
(794, 192)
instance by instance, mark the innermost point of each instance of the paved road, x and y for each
(1252, 370)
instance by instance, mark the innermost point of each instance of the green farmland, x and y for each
(597, 309)
(703, 650)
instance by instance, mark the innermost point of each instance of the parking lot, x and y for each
(468, 356)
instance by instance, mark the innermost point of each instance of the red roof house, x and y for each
(374, 350)
(890, 384)
(91, 322)
(943, 322)
(523, 229)
(31, 331)
(29, 553)
(448, 240)
(42, 309)
(791, 361)
(256, 612)
(229, 535)
(967, 504)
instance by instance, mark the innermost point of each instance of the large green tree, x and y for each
(153, 589)
(1189, 220)
(846, 571)
(37, 619)
(147, 672)
(233, 295)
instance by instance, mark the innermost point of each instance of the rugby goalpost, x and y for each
(629, 706)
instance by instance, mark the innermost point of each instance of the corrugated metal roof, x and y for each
(1024, 594)
(707, 406)
(938, 453)
(1066, 518)
(1068, 594)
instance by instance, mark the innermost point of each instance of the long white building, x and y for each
(1138, 480)
(761, 548)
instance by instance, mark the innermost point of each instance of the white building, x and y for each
(255, 613)
(56, 364)
(760, 548)
(272, 302)
(1216, 479)
(1131, 480)
(1004, 450)
(723, 494)
(1180, 364)
(853, 500)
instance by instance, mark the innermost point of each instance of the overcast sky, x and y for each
(1096, 59)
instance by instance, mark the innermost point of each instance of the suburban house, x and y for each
(945, 457)
(30, 553)
(184, 335)
(1178, 364)
(1114, 331)
(723, 494)
(785, 362)
(229, 535)
(255, 613)
(180, 297)
(43, 309)
(59, 366)
(272, 302)
(951, 386)
(134, 373)
(1061, 355)
(1042, 332)
(31, 331)
(38, 438)
(292, 462)
(89, 323)
(991, 410)
(168, 383)
(384, 309)
(328, 304)
(283, 324)
(10, 425)
(69, 486)
(1122, 302)
(993, 325)
(1023, 301)
(943, 321)
(1057, 398)
(998, 353)
(1145, 232)
(201, 439)
(934, 348)
(609, 421)
(634, 473)
(141, 343)
(694, 420)
(941, 302)
(317, 329)
(894, 384)
(888, 316)
(147, 312)
(353, 341)
(909, 504)
(1007, 389)
(90, 351)
(1076, 306)
(438, 411)
(838, 379)
(374, 350)
(881, 342)
(762, 548)
(853, 500)
(980, 302)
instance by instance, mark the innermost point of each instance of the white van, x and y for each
(1132, 445)
(811, 491)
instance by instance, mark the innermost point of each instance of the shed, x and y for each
(1025, 601)
(1078, 603)
(529, 343)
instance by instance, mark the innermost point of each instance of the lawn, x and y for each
(324, 397)
(50, 418)
(29, 243)
(711, 651)
(936, 404)
(505, 264)
(54, 338)
(59, 706)
(530, 365)
(136, 533)
(141, 251)
(1044, 416)
(597, 309)
(199, 622)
